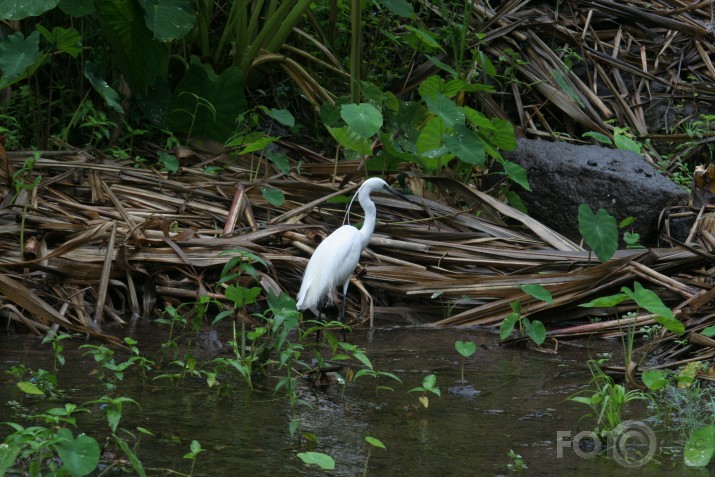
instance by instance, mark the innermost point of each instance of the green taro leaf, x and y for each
(709, 331)
(700, 447)
(538, 292)
(65, 40)
(507, 326)
(280, 160)
(364, 118)
(77, 8)
(599, 230)
(517, 173)
(401, 8)
(220, 101)
(135, 52)
(283, 116)
(29, 388)
(169, 19)
(649, 300)
(465, 145)
(443, 107)
(602, 138)
(465, 348)
(374, 442)
(17, 10)
(274, 197)
(504, 137)
(324, 461)
(110, 95)
(536, 331)
(655, 379)
(606, 301)
(17, 54)
(80, 455)
(349, 139)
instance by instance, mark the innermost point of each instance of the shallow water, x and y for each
(520, 404)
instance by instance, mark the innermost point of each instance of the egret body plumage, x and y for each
(337, 256)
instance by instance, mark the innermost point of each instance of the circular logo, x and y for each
(633, 444)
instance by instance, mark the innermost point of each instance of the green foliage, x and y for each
(429, 385)
(533, 329)
(466, 349)
(607, 401)
(324, 461)
(516, 462)
(646, 299)
(700, 448)
(599, 230)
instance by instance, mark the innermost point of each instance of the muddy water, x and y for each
(518, 402)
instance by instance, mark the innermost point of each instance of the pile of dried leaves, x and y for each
(97, 241)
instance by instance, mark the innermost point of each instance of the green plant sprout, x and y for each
(465, 349)
(516, 462)
(324, 461)
(429, 385)
(372, 443)
(194, 451)
(533, 329)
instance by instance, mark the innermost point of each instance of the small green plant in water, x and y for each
(324, 461)
(466, 349)
(533, 329)
(429, 385)
(194, 451)
(516, 462)
(372, 443)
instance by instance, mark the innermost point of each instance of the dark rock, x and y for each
(563, 176)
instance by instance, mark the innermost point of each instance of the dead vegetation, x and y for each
(98, 241)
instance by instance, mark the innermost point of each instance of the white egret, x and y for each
(337, 256)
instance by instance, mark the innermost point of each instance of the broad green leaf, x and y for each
(602, 138)
(709, 331)
(374, 442)
(431, 87)
(507, 326)
(517, 173)
(538, 292)
(442, 65)
(135, 52)
(401, 8)
(324, 461)
(168, 161)
(537, 332)
(15, 10)
(504, 137)
(77, 8)
(566, 87)
(8, 454)
(274, 197)
(110, 95)
(465, 145)
(364, 118)
(649, 300)
(201, 104)
(29, 388)
(17, 54)
(351, 140)
(241, 295)
(169, 19)
(606, 301)
(280, 160)
(65, 40)
(257, 145)
(421, 40)
(700, 447)
(79, 455)
(625, 143)
(515, 201)
(655, 379)
(431, 136)
(465, 348)
(443, 107)
(283, 116)
(599, 230)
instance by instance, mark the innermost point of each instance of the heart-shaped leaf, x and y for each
(599, 230)
(466, 349)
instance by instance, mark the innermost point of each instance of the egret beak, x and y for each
(400, 195)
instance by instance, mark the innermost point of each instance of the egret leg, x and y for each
(321, 312)
(345, 305)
